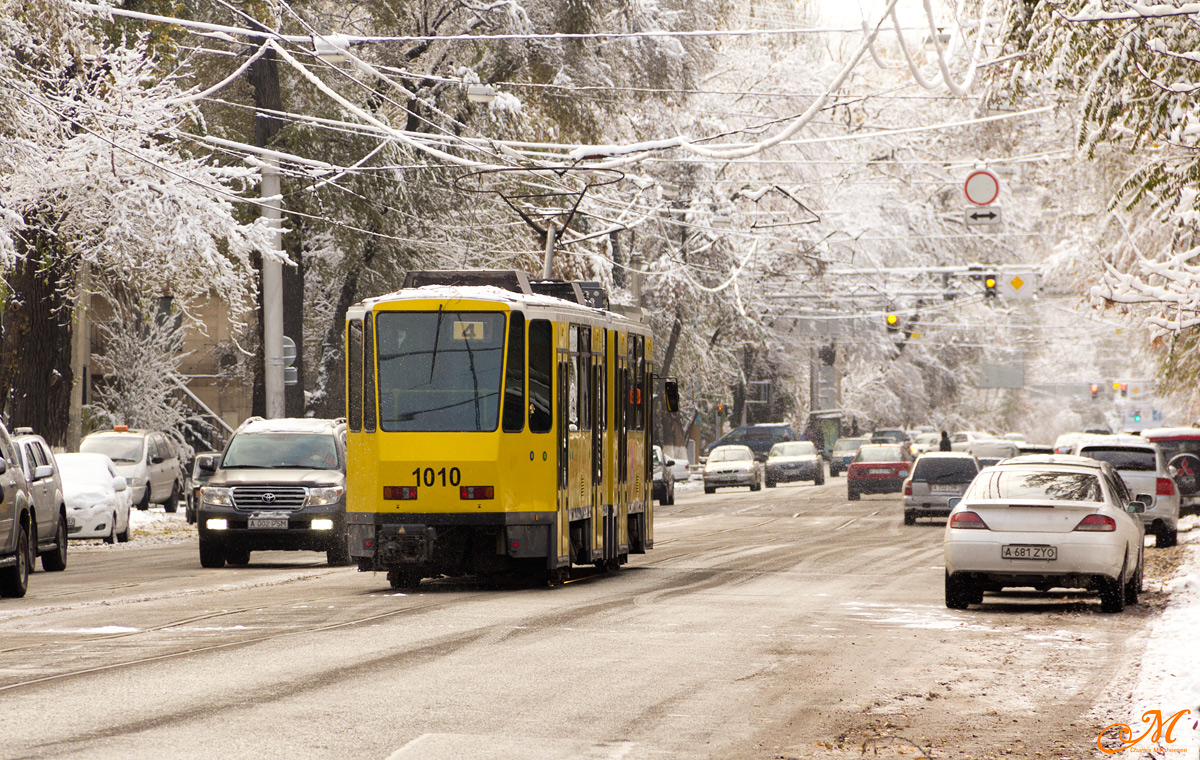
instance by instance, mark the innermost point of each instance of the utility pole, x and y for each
(272, 294)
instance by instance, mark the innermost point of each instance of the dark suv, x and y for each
(280, 484)
(16, 521)
(760, 438)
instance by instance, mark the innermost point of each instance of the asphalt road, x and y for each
(788, 623)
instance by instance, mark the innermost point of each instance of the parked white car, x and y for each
(97, 497)
(1143, 467)
(1045, 521)
(148, 461)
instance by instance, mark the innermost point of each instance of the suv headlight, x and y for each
(322, 496)
(217, 496)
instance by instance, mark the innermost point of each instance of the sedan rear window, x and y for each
(944, 470)
(847, 445)
(879, 454)
(1123, 459)
(1046, 485)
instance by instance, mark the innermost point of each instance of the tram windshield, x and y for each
(440, 370)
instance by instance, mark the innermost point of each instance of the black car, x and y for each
(760, 438)
(280, 485)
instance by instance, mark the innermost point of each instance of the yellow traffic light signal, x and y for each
(893, 322)
(989, 286)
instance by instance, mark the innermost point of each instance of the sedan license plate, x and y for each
(1025, 551)
(268, 523)
(879, 471)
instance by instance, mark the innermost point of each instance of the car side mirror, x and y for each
(120, 484)
(671, 395)
(157, 460)
(42, 471)
(670, 463)
(206, 463)
(1140, 503)
(3, 466)
(954, 501)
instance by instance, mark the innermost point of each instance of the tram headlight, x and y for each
(318, 497)
(217, 496)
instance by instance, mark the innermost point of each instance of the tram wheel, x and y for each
(404, 579)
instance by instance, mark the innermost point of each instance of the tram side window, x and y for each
(583, 360)
(513, 420)
(573, 378)
(369, 375)
(541, 374)
(640, 379)
(354, 352)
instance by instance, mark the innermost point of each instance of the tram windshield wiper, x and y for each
(437, 336)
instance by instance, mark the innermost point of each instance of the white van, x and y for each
(148, 461)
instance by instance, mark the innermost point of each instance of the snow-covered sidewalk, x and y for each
(1168, 680)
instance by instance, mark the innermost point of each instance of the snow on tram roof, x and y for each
(471, 292)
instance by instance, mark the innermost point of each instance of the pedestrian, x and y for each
(944, 444)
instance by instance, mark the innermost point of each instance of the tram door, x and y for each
(599, 386)
(620, 421)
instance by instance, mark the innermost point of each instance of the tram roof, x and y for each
(493, 294)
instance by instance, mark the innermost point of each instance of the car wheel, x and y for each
(756, 485)
(833, 473)
(211, 554)
(1112, 595)
(111, 538)
(770, 483)
(670, 495)
(820, 479)
(144, 504)
(910, 518)
(189, 513)
(959, 591)
(851, 494)
(176, 494)
(237, 557)
(1132, 587)
(710, 489)
(338, 553)
(56, 559)
(1166, 538)
(14, 579)
(123, 536)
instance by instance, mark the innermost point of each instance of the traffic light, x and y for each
(989, 286)
(720, 410)
(1124, 390)
(1137, 415)
(1095, 390)
(893, 322)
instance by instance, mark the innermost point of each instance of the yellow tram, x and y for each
(496, 424)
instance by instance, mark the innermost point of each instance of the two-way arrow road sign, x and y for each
(982, 215)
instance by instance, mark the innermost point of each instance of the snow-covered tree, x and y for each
(92, 170)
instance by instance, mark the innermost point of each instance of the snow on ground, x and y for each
(154, 526)
(1169, 678)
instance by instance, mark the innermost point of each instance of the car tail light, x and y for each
(908, 488)
(400, 493)
(1166, 487)
(968, 520)
(470, 493)
(1101, 523)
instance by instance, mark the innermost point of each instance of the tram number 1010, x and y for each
(429, 477)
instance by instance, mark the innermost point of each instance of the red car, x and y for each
(878, 468)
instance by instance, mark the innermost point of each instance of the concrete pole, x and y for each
(81, 356)
(272, 295)
(551, 237)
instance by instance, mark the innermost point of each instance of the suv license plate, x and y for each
(1024, 551)
(269, 523)
(954, 490)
